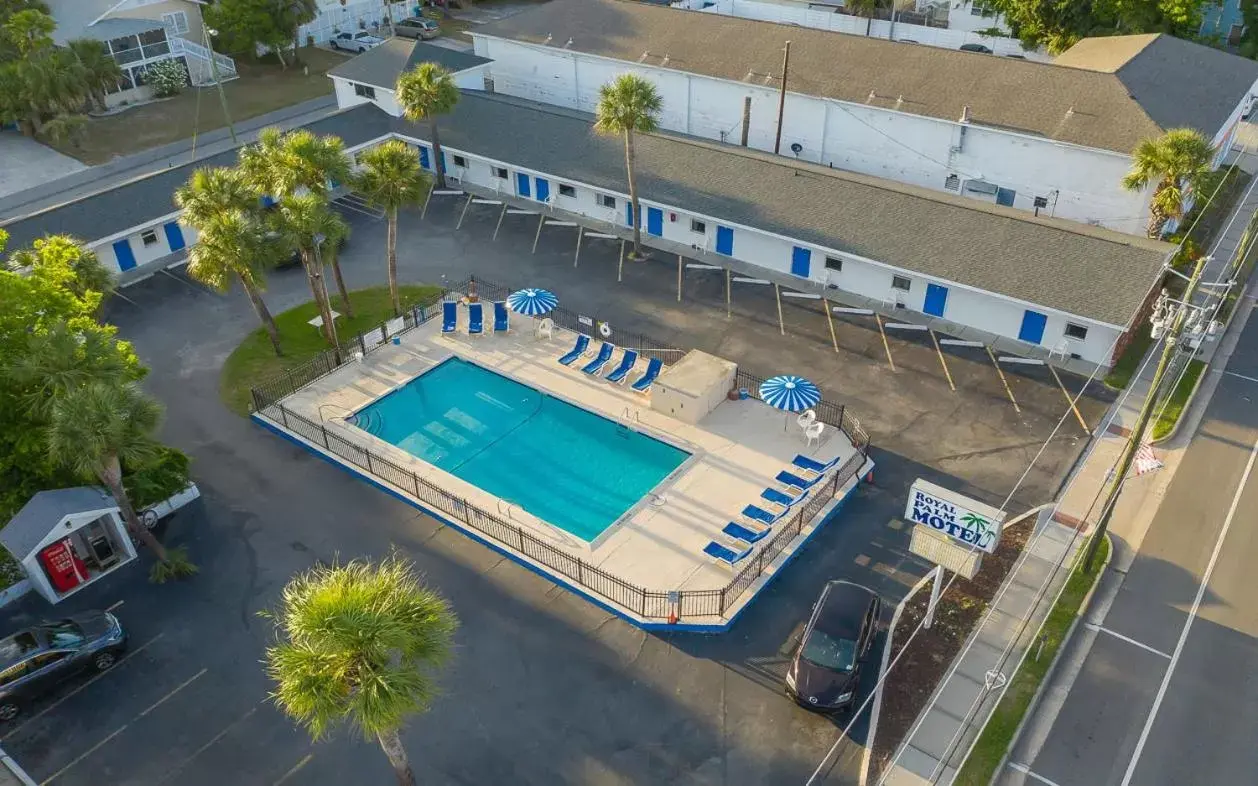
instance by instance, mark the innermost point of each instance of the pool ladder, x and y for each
(507, 511)
(636, 414)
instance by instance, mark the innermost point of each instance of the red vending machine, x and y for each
(64, 568)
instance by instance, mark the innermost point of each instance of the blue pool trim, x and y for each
(559, 579)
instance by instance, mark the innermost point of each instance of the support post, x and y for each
(834, 337)
(679, 267)
(746, 120)
(1003, 380)
(885, 344)
(577, 256)
(428, 200)
(942, 361)
(541, 222)
(466, 205)
(501, 216)
(620, 266)
(1078, 415)
(728, 297)
(777, 293)
(935, 587)
(786, 64)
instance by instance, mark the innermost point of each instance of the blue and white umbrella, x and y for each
(532, 302)
(789, 392)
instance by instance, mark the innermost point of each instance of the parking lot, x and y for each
(545, 688)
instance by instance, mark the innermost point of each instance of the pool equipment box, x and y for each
(957, 516)
(693, 386)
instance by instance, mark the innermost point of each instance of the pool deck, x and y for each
(737, 450)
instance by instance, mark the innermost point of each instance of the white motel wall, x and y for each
(136, 252)
(994, 165)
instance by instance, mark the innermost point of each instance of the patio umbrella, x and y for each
(790, 393)
(532, 302)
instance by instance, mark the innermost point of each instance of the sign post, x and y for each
(935, 583)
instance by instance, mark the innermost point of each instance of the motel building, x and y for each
(907, 258)
(1053, 139)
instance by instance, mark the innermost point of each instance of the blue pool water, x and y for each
(567, 466)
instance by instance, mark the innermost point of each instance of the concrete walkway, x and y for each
(26, 162)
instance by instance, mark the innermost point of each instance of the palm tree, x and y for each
(29, 31)
(236, 246)
(62, 360)
(51, 81)
(391, 178)
(426, 93)
(358, 643)
(282, 165)
(1177, 161)
(308, 224)
(96, 427)
(629, 105)
(101, 71)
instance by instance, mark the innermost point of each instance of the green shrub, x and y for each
(153, 482)
(167, 78)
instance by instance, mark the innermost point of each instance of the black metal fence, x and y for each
(649, 604)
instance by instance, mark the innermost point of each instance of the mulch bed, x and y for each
(928, 657)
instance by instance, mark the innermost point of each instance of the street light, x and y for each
(218, 82)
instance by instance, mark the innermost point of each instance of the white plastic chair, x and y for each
(546, 328)
(813, 432)
(806, 419)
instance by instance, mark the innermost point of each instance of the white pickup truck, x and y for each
(355, 42)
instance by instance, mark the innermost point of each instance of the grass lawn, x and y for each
(1174, 407)
(1120, 375)
(261, 88)
(450, 28)
(254, 360)
(998, 734)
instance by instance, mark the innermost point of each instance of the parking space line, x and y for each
(1128, 639)
(115, 605)
(1240, 376)
(66, 697)
(305, 760)
(1025, 770)
(226, 730)
(121, 728)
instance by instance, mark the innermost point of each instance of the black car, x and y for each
(825, 671)
(986, 50)
(40, 658)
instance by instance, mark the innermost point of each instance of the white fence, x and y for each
(856, 25)
(353, 17)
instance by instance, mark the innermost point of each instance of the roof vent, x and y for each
(548, 40)
(871, 97)
(899, 101)
(568, 45)
(965, 114)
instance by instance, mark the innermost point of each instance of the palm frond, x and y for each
(391, 176)
(628, 104)
(98, 422)
(425, 92)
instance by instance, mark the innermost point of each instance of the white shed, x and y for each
(66, 539)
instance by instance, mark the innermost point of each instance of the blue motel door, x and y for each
(801, 262)
(1033, 324)
(654, 221)
(725, 241)
(124, 254)
(522, 185)
(424, 158)
(936, 300)
(174, 236)
(543, 189)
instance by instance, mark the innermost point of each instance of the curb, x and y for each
(15, 768)
(1052, 667)
(1188, 404)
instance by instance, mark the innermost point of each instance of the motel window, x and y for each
(460, 161)
(952, 183)
(176, 22)
(900, 282)
(366, 91)
(1076, 331)
(607, 200)
(566, 190)
(149, 237)
(500, 172)
(834, 263)
(698, 227)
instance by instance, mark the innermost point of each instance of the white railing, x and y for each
(943, 38)
(182, 46)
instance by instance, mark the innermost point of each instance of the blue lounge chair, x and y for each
(501, 321)
(815, 467)
(796, 482)
(449, 316)
(475, 319)
(626, 365)
(583, 343)
(724, 554)
(648, 377)
(762, 516)
(600, 360)
(745, 534)
(778, 498)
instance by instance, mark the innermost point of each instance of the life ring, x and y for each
(604, 330)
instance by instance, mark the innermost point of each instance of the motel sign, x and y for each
(959, 517)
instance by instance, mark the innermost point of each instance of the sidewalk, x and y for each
(962, 702)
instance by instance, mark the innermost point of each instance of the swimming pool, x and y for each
(567, 466)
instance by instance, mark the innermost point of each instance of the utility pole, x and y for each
(746, 119)
(218, 82)
(1146, 410)
(786, 64)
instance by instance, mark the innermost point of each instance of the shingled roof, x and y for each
(1163, 84)
(381, 65)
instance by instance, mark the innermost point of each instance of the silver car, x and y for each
(38, 659)
(417, 27)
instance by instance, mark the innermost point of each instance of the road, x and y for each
(1167, 693)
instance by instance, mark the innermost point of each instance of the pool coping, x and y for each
(718, 625)
(694, 452)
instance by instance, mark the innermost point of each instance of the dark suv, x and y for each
(40, 658)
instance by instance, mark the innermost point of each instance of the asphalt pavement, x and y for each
(1167, 694)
